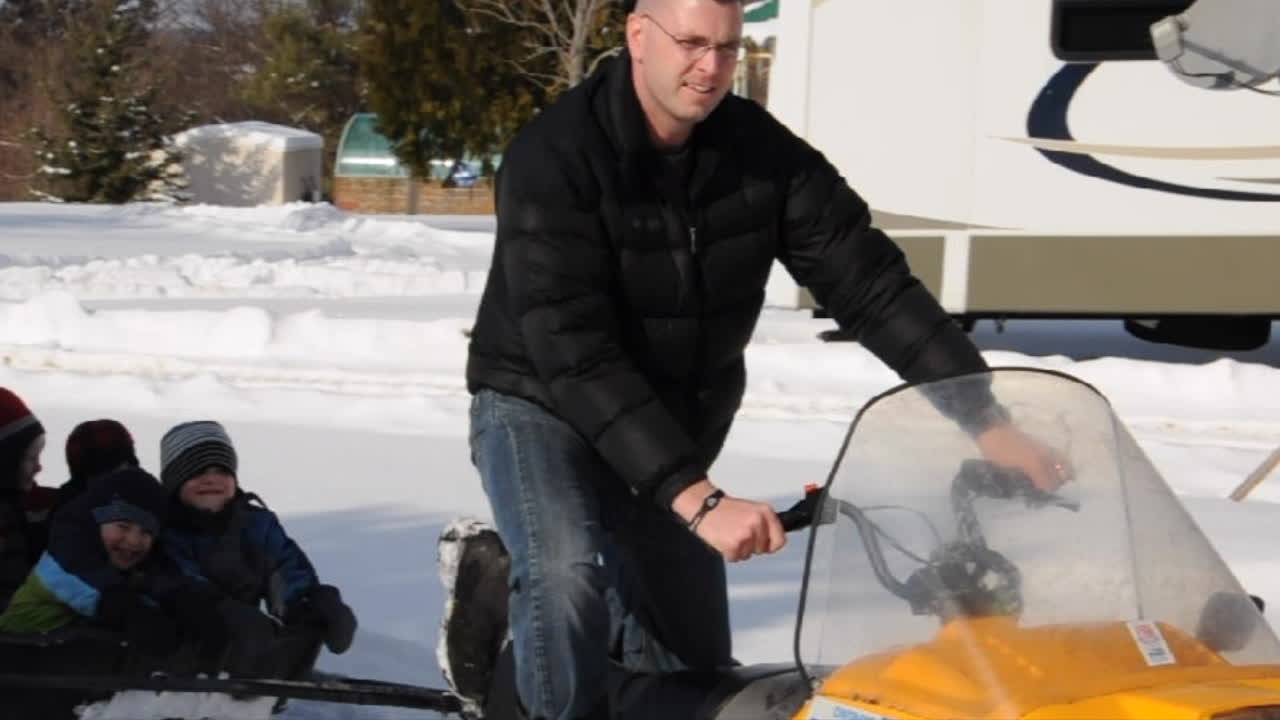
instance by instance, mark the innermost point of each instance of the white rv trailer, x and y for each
(1035, 158)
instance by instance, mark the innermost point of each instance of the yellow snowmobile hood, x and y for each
(991, 669)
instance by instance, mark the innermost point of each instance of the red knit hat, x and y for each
(96, 447)
(18, 429)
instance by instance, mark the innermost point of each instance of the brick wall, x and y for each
(474, 200)
(391, 195)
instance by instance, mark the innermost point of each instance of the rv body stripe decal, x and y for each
(1047, 120)
(1246, 152)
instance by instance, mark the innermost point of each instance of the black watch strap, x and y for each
(708, 504)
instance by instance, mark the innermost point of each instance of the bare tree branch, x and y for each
(601, 57)
(565, 29)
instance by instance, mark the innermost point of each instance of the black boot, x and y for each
(501, 701)
(474, 567)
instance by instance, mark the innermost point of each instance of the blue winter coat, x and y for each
(243, 550)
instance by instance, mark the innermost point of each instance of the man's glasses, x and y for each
(696, 47)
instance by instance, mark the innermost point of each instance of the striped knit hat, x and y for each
(18, 429)
(190, 448)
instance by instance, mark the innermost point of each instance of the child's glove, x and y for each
(152, 631)
(322, 606)
(115, 602)
(145, 627)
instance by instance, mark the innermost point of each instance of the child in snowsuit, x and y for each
(99, 551)
(24, 505)
(228, 537)
(101, 601)
(100, 571)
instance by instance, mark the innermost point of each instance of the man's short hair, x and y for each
(629, 6)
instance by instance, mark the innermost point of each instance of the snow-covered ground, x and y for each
(332, 346)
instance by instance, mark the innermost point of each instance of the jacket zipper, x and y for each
(700, 298)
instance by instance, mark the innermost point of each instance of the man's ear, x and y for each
(635, 31)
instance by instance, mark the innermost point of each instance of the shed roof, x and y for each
(280, 137)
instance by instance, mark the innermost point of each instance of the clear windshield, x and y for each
(915, 533)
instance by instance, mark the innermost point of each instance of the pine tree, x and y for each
(32, 21)
(441, 82)
(310, 76)
(115, 146)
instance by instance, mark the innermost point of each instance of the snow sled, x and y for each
(86, 671)
(83, 671)
(937, 585)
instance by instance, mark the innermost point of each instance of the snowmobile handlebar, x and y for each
(964, 577)
(980, 478)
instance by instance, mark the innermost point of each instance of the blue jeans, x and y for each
(597, 574)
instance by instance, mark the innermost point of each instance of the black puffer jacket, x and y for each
(627, 314)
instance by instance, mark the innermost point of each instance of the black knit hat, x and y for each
(18, 429)
(96, 447)
(130, 494)
(190, 448)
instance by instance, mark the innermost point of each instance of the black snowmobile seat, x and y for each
(746, 692)
(773, 691)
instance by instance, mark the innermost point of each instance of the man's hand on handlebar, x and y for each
(1005, 445)
(734, 527)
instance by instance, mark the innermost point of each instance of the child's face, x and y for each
(29, 466)
(210, 490)
(127, 543)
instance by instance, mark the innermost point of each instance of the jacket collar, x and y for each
(622, 119)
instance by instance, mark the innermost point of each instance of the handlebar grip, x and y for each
(794, 520)
(800, 515)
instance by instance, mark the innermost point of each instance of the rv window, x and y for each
(1097, 30)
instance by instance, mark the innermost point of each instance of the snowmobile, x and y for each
(937, 585)
(962, 591)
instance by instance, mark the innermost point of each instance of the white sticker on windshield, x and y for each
(1151, 642)
(822, 708)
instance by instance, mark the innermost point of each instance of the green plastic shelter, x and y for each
(364, 152)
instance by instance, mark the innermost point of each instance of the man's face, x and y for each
(127, 543)
(210, 490)
(684, 54)
(30, 466)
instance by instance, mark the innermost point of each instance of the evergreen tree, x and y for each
(115, 144)
(441, 82)
(310, 76)
(30, 21)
